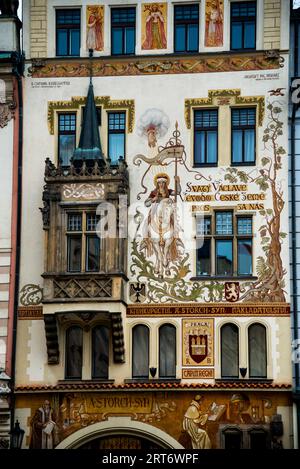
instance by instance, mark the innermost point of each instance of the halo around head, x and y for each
(162, 176)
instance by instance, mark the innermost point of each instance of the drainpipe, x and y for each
(294, 267)
(18, 60)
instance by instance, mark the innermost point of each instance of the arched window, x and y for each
(73, 352)
(140, 351)
(229, 351)
(257, 346)
(167, 351)
(100, 352)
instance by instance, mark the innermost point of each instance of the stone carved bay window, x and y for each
(84, 264)
(80, 263)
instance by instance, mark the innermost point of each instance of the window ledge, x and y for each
(244, 380)
(216, 277)
(148, 380)
(86, 381)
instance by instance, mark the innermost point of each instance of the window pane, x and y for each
(74, 253)
(91, 221)
(203, 258)
(233, 440)
(236, 36)
(74, 352)
(203, 226)
(62, 42)
(224, 223)
(258, 440)
(244, 256)
(116, 121)
(74, 222)
(211, 147)
(224, 257)
(100, 352)
(229, 351)
(237, 146)
(129, 41)
(257, 351)
(192, 37)
(75, 42)
(140, 352)
(67, 122)
(249, 145)
(92, 254)
(180, 45)
(249, 35)
(199, 147)
(67, 144)
(116, 147)
(244, 226)
(117, 41)
(167, 351)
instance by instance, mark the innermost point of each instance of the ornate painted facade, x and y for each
(187, 298)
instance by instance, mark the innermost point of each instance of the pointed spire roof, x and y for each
(89, 148)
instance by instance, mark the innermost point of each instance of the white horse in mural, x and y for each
(161, 229)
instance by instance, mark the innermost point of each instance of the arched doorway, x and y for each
(119, 433)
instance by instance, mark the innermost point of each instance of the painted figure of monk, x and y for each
(193, 420)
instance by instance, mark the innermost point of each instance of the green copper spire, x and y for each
(89, 148)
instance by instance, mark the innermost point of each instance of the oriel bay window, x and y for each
(243, 125)
(205, 137)
(224, 245)
(67, 32)
(83, 243)
(122, 31)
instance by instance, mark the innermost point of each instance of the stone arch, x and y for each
(115, 425)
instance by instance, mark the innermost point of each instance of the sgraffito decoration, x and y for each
(31, 295)
(154, 26)
(159, 255)
(95, 27)
(154, 66)
(214, 14)
(198, 342)
(270, 270)
(195, 420)
(83, 191)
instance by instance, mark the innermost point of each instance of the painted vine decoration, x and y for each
(175, 288)
(270, 283)
(270, 271)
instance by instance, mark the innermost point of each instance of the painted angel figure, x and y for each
(94, 38)
(160, 234)
(155, 29)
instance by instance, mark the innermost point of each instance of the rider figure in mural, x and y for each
(160, 236)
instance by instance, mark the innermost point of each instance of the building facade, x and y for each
(11, 65)
(154, 288)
